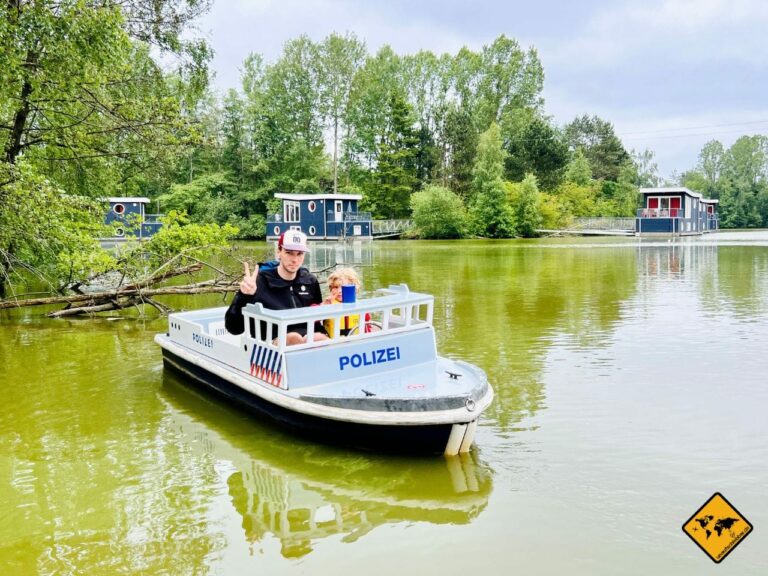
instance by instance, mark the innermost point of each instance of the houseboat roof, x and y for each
(671, 190)
(286, 196)
(138, 199)
(679, 190)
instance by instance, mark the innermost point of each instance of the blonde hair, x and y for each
(344, 276)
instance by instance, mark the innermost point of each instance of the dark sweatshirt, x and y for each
(275, 293)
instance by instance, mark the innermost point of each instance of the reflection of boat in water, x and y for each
(301, 492)
(380, 385)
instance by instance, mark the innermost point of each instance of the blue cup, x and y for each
(348, 293)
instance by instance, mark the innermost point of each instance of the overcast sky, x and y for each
(669, 74)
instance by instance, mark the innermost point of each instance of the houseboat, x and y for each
(382, 386)
(675, 211)
(130, 220)
(321, 217)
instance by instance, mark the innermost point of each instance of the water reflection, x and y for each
(724, 278)
(500, 305)
(301, 493)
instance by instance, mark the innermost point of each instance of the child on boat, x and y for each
(337, 279)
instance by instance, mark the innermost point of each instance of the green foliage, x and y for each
(526, 201)
(554, 214)
(438, 213)
(580, 201)
(578, 171)
(340, 59)
(601, 146)
(395, 176)
(44, 230)
(538, 148)
(461, 147)
(179, 236)
(744, 185)
(737, 176)
(490, 211)
(646, 170)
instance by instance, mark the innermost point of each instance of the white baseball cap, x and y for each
(293, 240)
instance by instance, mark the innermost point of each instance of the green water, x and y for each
(630, 384)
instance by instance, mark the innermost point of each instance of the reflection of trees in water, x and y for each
(742, 279)
(301, 493)
(500, 304)
(727, 278)
(93, 488)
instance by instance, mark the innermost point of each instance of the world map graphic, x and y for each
(720, 524)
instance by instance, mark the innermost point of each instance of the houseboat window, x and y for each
(312, 206)
(118, 208)
(312, 231)
(276, 230)
(119, 232)
(291, 211)
(664, 206)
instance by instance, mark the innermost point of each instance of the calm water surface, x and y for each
(631, 385)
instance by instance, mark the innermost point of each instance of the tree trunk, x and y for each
(335, 154)
(19, 126)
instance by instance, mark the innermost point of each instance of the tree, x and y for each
(490, 210)
(234, 150)
(744, 172)
(83, 102)
(460, 146)
(710, 165)
(77, 75)
(509, 79)
(646, 170)
(42, 229)
(578, 170)
(369, 109)
(438, 213)
(601, 146)
(527, 207)
(339, 58)
(537, 148)
(395, 174)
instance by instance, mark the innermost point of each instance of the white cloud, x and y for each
(678, 30)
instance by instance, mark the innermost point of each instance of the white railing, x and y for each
(660, 213)
(398, 310)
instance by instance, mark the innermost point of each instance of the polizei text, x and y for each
(370, 358)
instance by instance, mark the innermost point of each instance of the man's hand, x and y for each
(248, 283)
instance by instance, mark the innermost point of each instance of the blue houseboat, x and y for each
(130, 220)
(321, 217)
(677, 211)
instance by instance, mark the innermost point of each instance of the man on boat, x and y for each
(287, 285)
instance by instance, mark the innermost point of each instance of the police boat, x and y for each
(381, 386)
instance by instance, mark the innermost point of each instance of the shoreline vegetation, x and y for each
(102, 99)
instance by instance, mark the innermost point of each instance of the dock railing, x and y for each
(396, 310)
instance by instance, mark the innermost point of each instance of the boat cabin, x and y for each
(321, 217)
(675, 210)
(130, 219)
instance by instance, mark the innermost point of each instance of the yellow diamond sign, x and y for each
(717, 527)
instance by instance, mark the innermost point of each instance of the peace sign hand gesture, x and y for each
(248, 283)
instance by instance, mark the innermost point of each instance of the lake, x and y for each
(631, 384)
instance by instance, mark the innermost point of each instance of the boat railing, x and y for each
(659, 213)
(397, 309)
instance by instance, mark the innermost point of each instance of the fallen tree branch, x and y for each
(90, 300)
